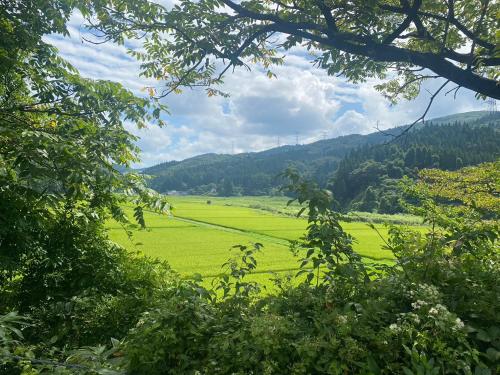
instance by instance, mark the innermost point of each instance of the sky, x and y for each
(303, 103)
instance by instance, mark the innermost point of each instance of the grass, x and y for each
(257, 221)
(199, 236)
(191, 248)
(278, 206)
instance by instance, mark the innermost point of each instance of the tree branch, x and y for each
(429, 105)
(468, 33)
(365, 46)
(389, 53)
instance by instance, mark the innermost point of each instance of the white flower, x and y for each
(433, 311)
(140, 322)
(342, 319)
(418, 304)
(441, 307)
(459, 323)
(393, 327)
(414, 317)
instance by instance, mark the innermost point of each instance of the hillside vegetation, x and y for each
(353, 163)
(252, 173)
(367, 179)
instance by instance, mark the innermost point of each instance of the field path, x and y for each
(276, 240)
(198, 238)
(258, 236)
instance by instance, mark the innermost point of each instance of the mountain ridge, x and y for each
(254, 173)
(470, 115)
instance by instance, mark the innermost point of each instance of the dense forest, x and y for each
(252, 173)
(368, 178)
(362, 171)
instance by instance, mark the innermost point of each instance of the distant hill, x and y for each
(471, 118)
(256, 173)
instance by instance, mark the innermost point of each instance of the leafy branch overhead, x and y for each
(403, 42)
(62, 135)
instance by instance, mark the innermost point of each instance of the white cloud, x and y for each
(302, 101)
(351, 122)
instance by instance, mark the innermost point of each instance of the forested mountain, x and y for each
(364, 168)
(255, 173)
(367, 178)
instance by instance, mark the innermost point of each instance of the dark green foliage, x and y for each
(61, 137)
(227, 189)
(367, 178)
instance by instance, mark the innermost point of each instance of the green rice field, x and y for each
(198, 236)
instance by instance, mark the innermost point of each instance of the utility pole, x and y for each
(492, 106)
(297, 138)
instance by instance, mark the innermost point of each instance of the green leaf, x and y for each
(483, 336)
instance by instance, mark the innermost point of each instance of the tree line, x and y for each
(367, 179)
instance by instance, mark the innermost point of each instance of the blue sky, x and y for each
(302, 101)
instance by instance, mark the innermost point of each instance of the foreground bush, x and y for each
(435, 311)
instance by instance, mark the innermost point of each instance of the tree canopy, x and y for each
(403, 43)
(471, 186)
(61, 136)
